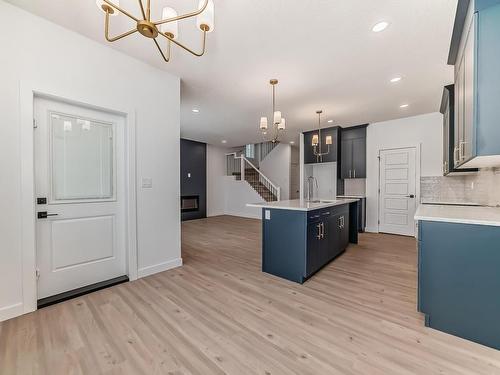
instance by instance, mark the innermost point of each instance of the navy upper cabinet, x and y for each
(332, 156)
(475, 53)
(353, 152)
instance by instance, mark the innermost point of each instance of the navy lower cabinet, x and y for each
(296, 244)
(459, 280)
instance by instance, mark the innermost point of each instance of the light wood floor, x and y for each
(220, 315)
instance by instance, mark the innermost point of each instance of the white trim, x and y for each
(160, 267)
(418, 166)
(27, 93)
(11, 311)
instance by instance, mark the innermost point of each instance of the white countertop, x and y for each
(302, 205)
(459, 214)
(352, 196)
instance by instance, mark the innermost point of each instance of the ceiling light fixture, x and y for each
(166, 27)
(381, 26)
(279, 123)
(330, 121)
(404, 106)
(223, 141)
(292, 142)
(396, 79)
(194, 110)
(316, 139)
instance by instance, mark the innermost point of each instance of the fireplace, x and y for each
(190, 203)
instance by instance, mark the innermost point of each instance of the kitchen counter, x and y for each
(459, 214)
(351, 196)
(302, 205)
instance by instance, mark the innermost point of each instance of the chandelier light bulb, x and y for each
(206, 18)
(282, 124)
(277, 117)
(315, 140)
(329, 140)
(169, 28)
(263, 123)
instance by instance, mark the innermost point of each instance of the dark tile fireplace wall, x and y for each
(194, 163)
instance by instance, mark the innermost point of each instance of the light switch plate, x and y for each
(267, 214)
(147, 182)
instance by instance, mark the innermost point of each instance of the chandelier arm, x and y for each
(121, 10)
(148, 10)
(182, 16)
(186, 48)
(167, 59)
(141, 6)
(114, 39)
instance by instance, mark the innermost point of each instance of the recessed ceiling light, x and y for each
(404, 106)
(330, 121)
(396, 79)
(195, 110)
(224, 141)
(292, 142)
(381, 26)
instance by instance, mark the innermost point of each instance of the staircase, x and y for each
(260, 183)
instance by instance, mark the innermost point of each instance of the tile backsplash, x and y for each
(479, 188)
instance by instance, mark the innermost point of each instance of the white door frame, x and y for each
(27, 93)
(418, 163)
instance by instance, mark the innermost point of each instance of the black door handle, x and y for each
(44, 215)
(410, 196)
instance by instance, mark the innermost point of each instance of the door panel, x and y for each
(397, 201)
(79, 168)
(346, 159)
(359, 157)
(468, 87)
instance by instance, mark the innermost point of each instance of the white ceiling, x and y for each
(322, 51)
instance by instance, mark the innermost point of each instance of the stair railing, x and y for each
(237, 164)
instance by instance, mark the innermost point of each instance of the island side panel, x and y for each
(284, 243)
(354, 219)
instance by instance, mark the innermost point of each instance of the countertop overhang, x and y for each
(459, 214)
(302, 205)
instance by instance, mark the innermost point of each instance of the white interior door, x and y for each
(79, 171)
(397, 201)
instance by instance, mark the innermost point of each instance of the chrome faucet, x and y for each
(310, 187)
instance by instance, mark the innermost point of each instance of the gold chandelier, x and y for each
(279, 123)
(166, 27)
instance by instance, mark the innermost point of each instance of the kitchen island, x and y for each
(300, 237)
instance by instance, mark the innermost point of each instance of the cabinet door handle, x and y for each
(354, 173)
(461, 153)
(322, 230)
(349, 173)
(318, 236)
(455, 158)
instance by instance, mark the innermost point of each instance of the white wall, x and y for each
(51, 56)
(276, 167)
(424, 130)
(225, 195)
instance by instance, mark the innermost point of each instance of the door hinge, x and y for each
(37, 273)
(34, 124)
(379, 221)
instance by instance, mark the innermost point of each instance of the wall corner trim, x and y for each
(160, 267)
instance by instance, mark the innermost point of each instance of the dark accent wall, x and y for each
(194, 162)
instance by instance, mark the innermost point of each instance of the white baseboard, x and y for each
(371, 230)
(11, 311)
(165, 266)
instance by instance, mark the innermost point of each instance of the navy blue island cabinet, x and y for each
(459, 279)
(296, 243)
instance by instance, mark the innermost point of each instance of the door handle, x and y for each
(318, 236)
(410, 196)
(461, 153)
(349, 173)
(322, 230)
(354, 173)
(455, 158)
(44, 215)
